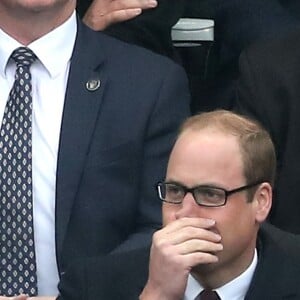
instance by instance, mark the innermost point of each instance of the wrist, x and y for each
(151, 292)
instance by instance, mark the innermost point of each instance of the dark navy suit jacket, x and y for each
(114, 145)
(123, 276)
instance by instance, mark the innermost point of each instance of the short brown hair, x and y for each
(257, 148)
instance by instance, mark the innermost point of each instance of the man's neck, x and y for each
(210, 277)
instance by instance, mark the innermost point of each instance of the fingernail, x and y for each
(137, 11)
(152, 3)
(220, 247)
(218, 237)
(210, 222)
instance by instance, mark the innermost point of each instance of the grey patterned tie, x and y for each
(18, 267)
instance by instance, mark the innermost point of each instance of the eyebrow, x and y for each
(211, 185)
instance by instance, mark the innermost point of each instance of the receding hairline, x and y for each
(223, 121)
(255, 143)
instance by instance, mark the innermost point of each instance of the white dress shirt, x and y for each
(49, 80)
(233, 290)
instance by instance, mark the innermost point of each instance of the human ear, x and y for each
(263, 201)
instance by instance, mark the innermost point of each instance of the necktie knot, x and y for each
(23, 56)
(208, 295)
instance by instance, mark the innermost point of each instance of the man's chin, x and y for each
(203, 270)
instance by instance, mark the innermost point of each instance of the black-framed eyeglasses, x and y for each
(204, 195)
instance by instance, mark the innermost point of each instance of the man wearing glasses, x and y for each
(216, 195)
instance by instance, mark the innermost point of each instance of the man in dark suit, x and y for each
(269, 90)
(123, 276)
(105, 118)
(216, 196)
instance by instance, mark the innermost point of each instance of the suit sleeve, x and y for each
(117, 276)
(73, 284)
(171, 108)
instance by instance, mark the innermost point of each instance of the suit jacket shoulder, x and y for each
(97, 48)
(122, 109)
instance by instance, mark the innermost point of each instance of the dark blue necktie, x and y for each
(18, 266)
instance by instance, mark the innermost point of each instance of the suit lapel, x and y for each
(81, 110)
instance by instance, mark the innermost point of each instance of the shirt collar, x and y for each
(235, 289)
(54, 49)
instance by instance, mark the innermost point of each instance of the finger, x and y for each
(121, 15)
(103, 13)
(104, 7)
(202, 246)
(200, 258)
(189, 233)
(102, 21)
(21, 297)
(188, 222)
(128, 4)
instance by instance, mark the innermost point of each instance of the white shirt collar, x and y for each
(233, 290)
(54, 49)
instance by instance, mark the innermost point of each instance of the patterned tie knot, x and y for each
(23, 56)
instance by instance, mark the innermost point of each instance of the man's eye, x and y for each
(174, 190)
(210, 193)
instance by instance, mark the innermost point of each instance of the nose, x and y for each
(188, 208)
